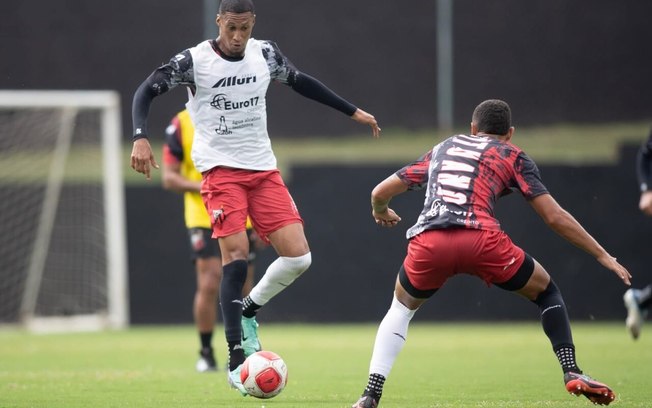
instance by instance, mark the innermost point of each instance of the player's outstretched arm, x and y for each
(142, 157)
(365, 118)
(564, 224)
(312, 88)
(380, 198)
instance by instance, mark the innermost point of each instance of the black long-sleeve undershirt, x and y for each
(161, 81)
(312, 88)
(157, 83)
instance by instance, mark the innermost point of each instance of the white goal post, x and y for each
(63, 258)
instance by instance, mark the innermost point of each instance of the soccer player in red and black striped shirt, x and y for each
(457, 232)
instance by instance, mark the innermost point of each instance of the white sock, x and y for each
(391, 336)
(279, 275)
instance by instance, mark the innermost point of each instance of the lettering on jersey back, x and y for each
(450, 165)
(458, 151)
(449, 182)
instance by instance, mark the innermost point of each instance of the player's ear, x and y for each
(217, 19)
(510, 133)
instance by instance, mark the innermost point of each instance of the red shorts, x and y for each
(435, 255)
(231, 194)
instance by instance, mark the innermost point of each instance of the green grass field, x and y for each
(442, 365)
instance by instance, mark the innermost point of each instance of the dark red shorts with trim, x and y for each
(231, 194)
(435, 255)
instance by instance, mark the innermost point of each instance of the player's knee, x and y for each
(549, 296)
(208, 287)
(299, 264)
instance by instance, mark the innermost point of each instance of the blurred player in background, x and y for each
(227, 80)
(637, 301)
(180, 175)
(457, 233)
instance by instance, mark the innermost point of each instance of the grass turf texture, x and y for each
(442, 365)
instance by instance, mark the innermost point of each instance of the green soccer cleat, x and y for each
(235, 381)
(250, 342)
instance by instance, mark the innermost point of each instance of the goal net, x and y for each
(62, 224)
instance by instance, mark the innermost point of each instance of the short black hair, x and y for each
(237, 6)
(493, 116)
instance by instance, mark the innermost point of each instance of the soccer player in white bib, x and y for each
(227, 80)
(180, 175)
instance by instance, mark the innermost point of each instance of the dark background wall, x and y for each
(355, 262)
(553, 60)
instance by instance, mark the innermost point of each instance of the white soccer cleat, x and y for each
(206, 362)
(235, 381)
(634, 320)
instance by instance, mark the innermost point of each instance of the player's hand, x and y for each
(611, 263)
(142, 157)
(387, 218)
(365, 118)
(646, 202)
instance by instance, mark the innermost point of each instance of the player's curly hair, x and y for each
(493, 116)
(236, 6)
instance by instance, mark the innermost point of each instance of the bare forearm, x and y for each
(176, 182)
(564, 224)
(567, 226)
(378, 204)
(385, 191)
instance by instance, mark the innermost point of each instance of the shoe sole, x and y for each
(357, 405)
(597, 393)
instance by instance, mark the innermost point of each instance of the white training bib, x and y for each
(229, 111)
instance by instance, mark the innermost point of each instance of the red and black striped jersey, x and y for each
(464, 176)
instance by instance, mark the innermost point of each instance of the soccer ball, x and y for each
(264, 374)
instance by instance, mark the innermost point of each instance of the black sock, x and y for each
(233, 278)
(236, 355)
(556, 325)
(249, 308)
(566, 356)
(375, 386)
(206, 339)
